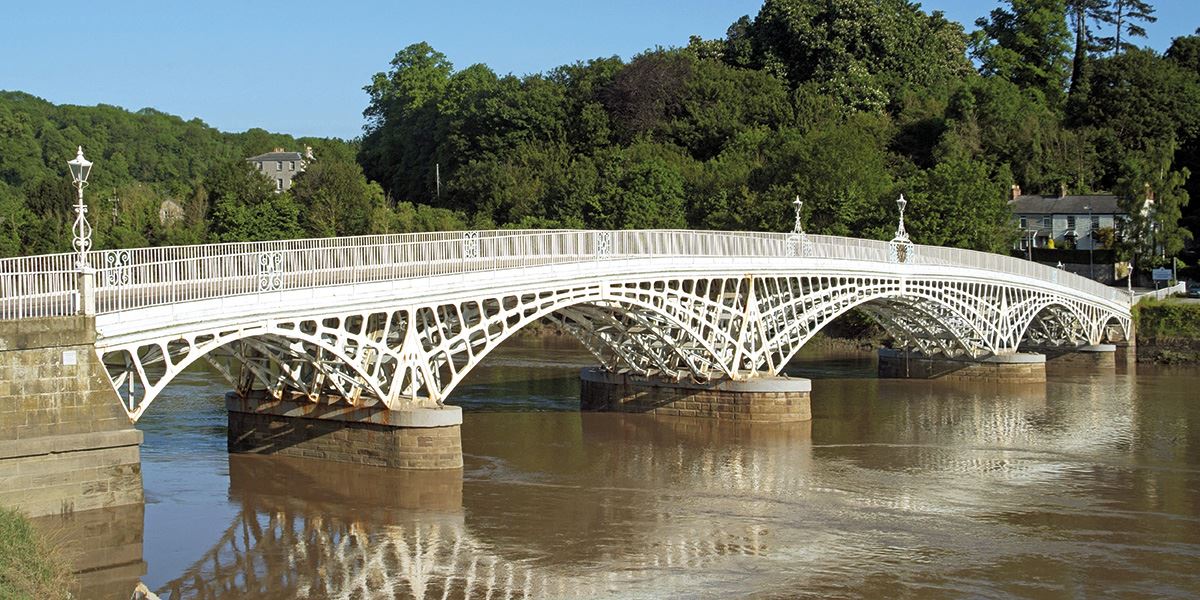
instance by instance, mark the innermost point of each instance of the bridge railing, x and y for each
(125, 279)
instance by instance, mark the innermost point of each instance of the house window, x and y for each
(259, 165)
(279, 184)
(1095, 222)
(292, 167)
(1024, 222)
(1046, 221)
(1070, 221)
(279, 165)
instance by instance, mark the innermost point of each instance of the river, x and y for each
(1085, 486)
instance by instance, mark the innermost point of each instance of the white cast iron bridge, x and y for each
(402, 319)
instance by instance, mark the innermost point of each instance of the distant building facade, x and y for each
(280, 166)
(1068, 221)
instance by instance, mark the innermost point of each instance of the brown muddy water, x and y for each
(1085, 486)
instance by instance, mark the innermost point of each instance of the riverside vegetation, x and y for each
(30, 567)
(1168, 331)
(847, 103)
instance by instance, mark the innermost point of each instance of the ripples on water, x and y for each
(1085, 486)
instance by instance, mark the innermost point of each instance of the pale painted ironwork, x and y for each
(401, 320)
(80, 168)
(901, 249)
(116, 271)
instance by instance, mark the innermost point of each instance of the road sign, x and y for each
(1161, 274)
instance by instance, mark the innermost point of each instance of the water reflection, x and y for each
(1088, 485)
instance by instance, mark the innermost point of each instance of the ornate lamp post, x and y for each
(80, 169)
(798, 243)
(901, 248)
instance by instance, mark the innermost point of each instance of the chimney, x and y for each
(1016, 191)
(1062, 190)
(277, 149)
(308, 153)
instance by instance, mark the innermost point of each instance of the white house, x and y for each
(1068, 220)
(280, 167)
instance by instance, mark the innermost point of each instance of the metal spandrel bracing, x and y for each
(402, 320)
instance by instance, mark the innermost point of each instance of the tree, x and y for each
(1026, 44)
(399, 145)
(1154, 196)
(862, 52)
(1123, 16)
(245, 206)
(335, 199)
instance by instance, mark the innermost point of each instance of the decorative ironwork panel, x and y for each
(800, 245)
(270, 271)
(901, 251)
(604, 243)
(116, 268)
(470, 241)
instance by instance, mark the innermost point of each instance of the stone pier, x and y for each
(417, 439)
(1098, 356)
(1001, 368)
(66, 445)
(755, 400)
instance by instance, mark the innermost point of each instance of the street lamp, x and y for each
(1091, 241)
(80, 168)
(901, 249)
(900, 233)
(798, 229)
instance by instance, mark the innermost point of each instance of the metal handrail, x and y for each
(46, 285)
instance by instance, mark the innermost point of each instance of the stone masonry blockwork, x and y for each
(365, 443)
(66, 444)
(767, 404)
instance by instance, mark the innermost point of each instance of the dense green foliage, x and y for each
(1167, 320)
(846, 103)
(29, 568)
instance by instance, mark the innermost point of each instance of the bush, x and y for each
(1165, 320)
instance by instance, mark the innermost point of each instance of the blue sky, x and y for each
(299, 67)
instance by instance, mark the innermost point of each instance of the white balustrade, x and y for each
(40, 286)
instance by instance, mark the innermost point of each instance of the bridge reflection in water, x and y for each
(312, 530)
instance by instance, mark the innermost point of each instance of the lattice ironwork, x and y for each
(410, 352)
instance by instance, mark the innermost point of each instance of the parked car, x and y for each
(1193, 290)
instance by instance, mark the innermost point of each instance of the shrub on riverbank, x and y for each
(29, 567)
(1168, 331)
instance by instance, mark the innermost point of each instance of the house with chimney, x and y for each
(280, 166)
(1063, 221)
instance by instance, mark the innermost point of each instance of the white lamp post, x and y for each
(797, 229)
(901, 248)
(80, 168)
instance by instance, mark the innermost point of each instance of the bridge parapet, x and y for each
(136, 278)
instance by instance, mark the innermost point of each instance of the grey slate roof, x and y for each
(277, 156)
(1066, 205)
